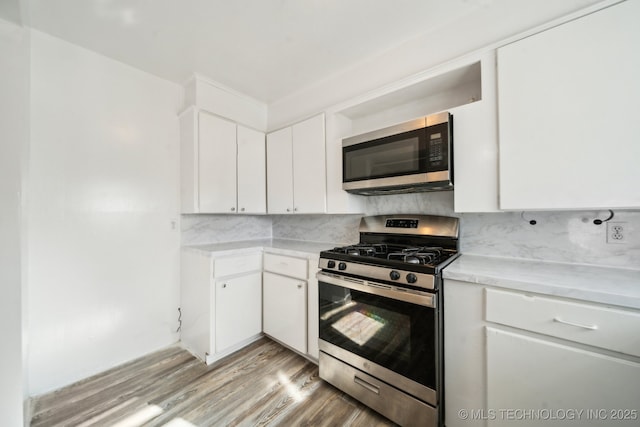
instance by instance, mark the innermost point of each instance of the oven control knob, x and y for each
(342, 266)
(331, 264)
(411, 278)
(394, 275)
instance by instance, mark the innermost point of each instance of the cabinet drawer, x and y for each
(236, 264)
(286, 265)
(589, 324)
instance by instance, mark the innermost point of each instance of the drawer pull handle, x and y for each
(367, 385)
(579, 325)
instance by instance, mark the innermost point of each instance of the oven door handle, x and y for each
(393, 292)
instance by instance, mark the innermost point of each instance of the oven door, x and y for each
(388, 332)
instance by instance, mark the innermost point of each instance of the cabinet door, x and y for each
(279, 172)
(196, 289)
(525, 373)
(189, 162)
(252, 185)
(238, 310)
(568, 107)
(464, 352)
(475, 141)
(216, 164)
(284, 310)
(309, 171)
(313, 324)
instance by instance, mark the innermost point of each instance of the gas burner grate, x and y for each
(362, 249)
(418, 255)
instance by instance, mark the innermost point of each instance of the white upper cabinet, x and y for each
(296, 174)
(222, 165)
(309, 173)
(280, 172)
(568, 101)
(252, 175)
(475, 142)
(216, 163)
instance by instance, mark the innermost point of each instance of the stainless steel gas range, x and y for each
(381, 315)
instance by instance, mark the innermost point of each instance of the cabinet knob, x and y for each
(295, 209)
(224, 285)
(299, 285)
(288, 210)
(241, 209)
(233, 209)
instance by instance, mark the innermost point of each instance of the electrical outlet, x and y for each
(616, 232)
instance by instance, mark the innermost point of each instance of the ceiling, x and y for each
(269, 49)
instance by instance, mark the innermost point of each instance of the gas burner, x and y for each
(412, 257)
(389, 251)
(418, 255)
(362, 249)
(433, 250)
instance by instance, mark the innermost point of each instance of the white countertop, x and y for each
(282, 246)
(614, 286)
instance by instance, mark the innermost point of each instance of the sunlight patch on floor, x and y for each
(295, 394)
(140, 417)
(179, 422)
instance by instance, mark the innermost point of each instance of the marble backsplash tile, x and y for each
(561, 236)
(203, 229)
(557, 236)
(335, 229)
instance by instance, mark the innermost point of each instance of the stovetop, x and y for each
(400, 254)
(386, 262)
(404, 249)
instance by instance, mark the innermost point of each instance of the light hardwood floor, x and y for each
(262, 384)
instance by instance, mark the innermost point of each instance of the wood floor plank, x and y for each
(133, 381)
(215, 391)
(112, 376)
(261, 384)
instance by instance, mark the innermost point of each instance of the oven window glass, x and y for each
(383, 158)
(397, 335)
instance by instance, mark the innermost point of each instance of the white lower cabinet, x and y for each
(313, 321)
(221, 302)
(516, 358)
(238, 310)
(284, 308)
(290, 301)
(554, 381)
(229, 301)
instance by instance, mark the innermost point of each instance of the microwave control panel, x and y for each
(438, 147)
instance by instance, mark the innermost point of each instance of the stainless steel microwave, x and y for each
(405, 158)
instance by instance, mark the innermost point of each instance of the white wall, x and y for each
(103, 190)
(14, 128)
